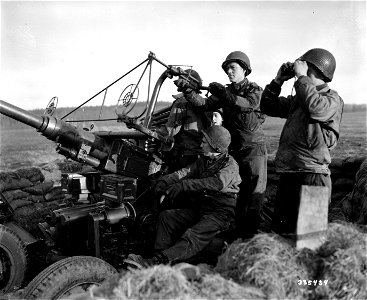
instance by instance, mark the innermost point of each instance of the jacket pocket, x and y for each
(313, 135)
(329, 138)
(250, 121)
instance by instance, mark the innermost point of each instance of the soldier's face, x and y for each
(235, 72)
(217, 118)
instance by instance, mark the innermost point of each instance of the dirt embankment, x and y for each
(349, 196)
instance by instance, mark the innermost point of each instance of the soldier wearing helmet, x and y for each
(217, 117)
(240, 102)
(209, 190)
(184, 126)
(311, 130)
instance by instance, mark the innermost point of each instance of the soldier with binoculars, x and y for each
(311, 130)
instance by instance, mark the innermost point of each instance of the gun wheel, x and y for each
(13, 260)
(70, 276)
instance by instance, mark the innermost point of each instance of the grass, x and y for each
(352, 141)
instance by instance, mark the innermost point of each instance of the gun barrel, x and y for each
(74, 143)
(20, 115)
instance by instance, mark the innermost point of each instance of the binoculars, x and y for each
(288, 70)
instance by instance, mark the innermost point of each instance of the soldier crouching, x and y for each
(213, 184)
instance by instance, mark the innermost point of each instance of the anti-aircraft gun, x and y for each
(86, 242)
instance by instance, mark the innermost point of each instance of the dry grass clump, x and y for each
(157, 282)
(342, 235)
(266, 262)
(216, 287)
(344, 263)
(310, 261)
(182, 282)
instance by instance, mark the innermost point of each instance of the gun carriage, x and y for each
(85, 242)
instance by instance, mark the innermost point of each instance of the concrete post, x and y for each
(312, 217)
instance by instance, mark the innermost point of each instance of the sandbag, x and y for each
(57, 190)
(20, 203)
(33, 174)
(14, 194)
(40, 189)
(56, 197)
(12, 181)
(36, 198)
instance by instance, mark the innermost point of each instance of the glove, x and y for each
(183, 86)
(220, 91)
(174, 189)
(160, 187)
(285, 72)
(217, 90)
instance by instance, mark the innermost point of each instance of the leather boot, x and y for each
(139, 262)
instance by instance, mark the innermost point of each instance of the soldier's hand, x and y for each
(284, 73)
(174, 189)
(222, 93)
(183, 86)
(160, 187)
(217, 90)
(300, 68)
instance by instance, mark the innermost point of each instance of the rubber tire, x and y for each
(14, 248)
(54, 281)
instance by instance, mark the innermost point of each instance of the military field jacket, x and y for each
(241, 114)
(218, 177)
(312, 127)
(185, 124)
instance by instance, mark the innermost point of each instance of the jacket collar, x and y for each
(322, 87)
(216, 158)
(239, 85)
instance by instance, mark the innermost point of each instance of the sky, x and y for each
(73, 49)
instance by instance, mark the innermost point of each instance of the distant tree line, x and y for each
(109, 112)
(355, 107)
(83, 113)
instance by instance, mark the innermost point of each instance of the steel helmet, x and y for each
(240, 58)
(323, 60)
(195, 84)
(218, 137)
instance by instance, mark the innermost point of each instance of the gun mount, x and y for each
(120, 216)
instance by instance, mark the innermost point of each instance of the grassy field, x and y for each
(24, 147)
(353, 135)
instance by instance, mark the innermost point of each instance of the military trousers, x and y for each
(252, 163)
(183, 233)
(287, 201)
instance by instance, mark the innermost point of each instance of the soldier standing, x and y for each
(240, 101)
(311, 130)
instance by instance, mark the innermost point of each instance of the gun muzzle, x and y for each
(20, 115)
